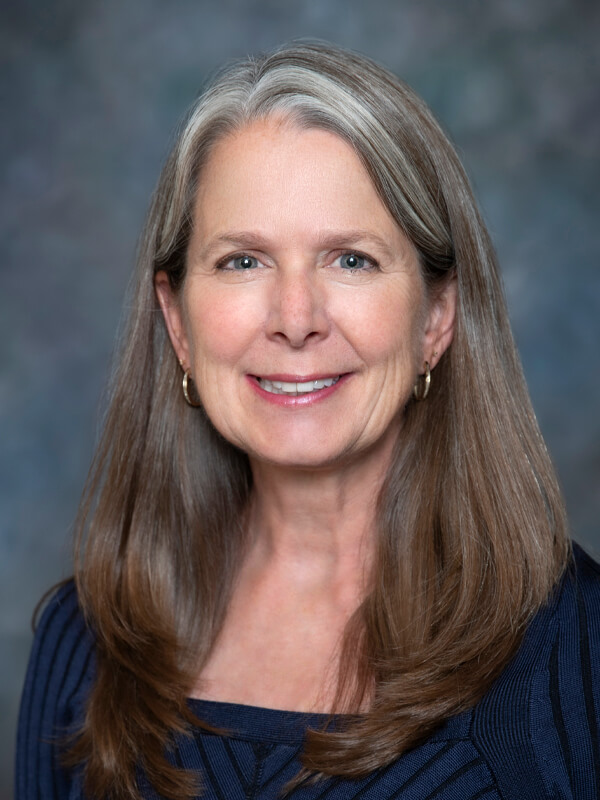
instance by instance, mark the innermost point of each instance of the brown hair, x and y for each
(471, 527)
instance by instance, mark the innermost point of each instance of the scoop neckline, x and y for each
(277, 726)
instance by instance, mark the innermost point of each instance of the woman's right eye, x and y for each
(241, 262)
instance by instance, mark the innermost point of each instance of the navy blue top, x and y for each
(534, 736)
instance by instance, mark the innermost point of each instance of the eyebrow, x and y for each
(329, 240)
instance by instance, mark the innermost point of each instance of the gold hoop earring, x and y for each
(421, 393)
(186, 390)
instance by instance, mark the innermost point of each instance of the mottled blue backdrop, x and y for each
(91, 91)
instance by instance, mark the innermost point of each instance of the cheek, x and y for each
(220, 326)
(385, 326)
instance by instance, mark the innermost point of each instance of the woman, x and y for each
(322, 549)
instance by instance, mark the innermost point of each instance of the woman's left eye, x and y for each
(355, 261)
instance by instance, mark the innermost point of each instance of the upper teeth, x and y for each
(284, 387)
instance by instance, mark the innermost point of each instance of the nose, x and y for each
(297, 314)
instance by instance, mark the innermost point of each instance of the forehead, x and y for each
(275, 172)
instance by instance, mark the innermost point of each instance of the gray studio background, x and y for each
(91, 92)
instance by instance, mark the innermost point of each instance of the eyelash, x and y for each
(370, 264)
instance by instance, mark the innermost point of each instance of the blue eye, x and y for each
(244, 262)
(352, 261)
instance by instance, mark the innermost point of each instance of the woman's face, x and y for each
(303, 315)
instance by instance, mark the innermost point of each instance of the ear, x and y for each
(440, 323)
(171, 308)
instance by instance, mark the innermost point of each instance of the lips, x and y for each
(296, 388)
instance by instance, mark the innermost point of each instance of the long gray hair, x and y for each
(471, 527)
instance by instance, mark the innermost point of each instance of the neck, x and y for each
(317, 526)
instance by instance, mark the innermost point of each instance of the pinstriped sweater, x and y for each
(534, 736)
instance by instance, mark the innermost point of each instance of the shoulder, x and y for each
(59, 675)
(585, 575)
(573, 618)
(539, 726)
(62, 652)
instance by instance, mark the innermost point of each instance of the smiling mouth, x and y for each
(295, 389)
